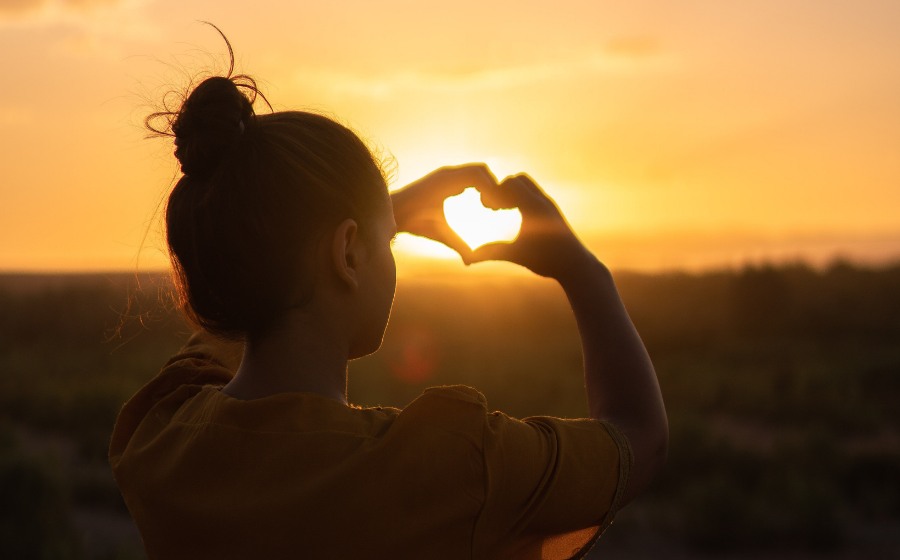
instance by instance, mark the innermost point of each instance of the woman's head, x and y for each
(258, 195)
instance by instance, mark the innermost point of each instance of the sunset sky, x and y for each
(674, 134)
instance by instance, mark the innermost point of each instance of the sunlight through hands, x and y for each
(478, 225)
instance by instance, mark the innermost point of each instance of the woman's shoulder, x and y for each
(444, 414)
(447, 402)
(460, 393)
(203, 361)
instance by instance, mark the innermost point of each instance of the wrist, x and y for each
(580, 268)
(577, 264)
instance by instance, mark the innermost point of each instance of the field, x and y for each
(782, 386)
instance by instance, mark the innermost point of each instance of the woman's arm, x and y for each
(621, 383)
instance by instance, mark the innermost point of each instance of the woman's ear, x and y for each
(346, 253)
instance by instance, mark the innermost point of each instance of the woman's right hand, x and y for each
(546, 244)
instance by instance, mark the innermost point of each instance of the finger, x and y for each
(446, 235)
(492, 252)
(462, 177)
(499, 196)
(530, 195)
(510, 193)
(491, 192)
(440, 231)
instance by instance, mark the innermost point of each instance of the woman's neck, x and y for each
(302, 354)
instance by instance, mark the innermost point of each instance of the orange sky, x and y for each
(673, 134)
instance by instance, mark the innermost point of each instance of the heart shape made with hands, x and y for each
(478, 225)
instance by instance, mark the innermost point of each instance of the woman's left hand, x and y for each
(419, 206)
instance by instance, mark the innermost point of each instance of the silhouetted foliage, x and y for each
(781, 385)
(35, 520)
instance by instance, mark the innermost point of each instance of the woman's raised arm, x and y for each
(621, 383)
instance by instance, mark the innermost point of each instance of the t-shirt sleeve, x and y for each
(203, 360)
(552, 486)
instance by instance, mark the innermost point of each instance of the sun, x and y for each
(478, 225)
(473, 222)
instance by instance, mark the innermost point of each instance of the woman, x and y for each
(280, 236)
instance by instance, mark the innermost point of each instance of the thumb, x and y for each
(492, 252)
(450, 238)
(455, 242)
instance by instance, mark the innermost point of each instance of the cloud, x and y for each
(90, 28)
(26, 9)
(18, 7)
(118, 17)
(624, 55)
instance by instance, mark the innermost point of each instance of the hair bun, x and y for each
(209, 125)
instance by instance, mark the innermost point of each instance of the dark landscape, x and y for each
(782, 385)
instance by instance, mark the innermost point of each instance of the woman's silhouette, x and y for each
(280, 236)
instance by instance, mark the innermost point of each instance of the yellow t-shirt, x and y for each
(297, 475)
